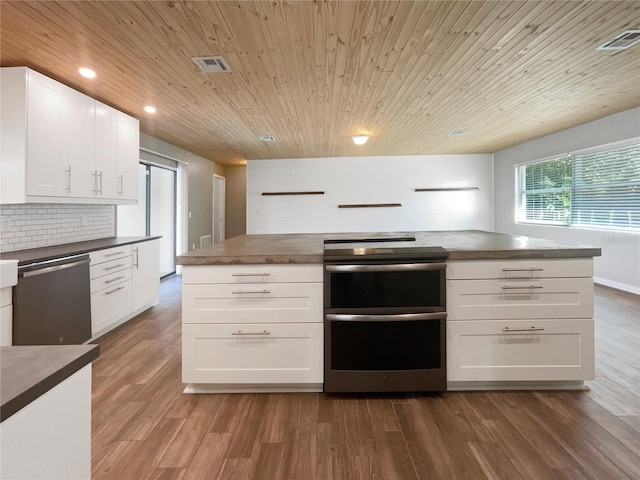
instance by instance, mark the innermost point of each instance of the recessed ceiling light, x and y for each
(87, 72)
(150, 109)
(360, 139)
(457, 133)
(267, 138)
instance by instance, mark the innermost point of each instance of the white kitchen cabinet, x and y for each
(125, 281)
(145, 275)
(128, 148)
(520, 321)
(252, 328)
(61, 146)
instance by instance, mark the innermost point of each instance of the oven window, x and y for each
(393, 345)
(387, 289)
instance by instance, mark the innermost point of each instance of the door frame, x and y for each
(218, 192)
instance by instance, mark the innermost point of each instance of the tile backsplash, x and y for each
(39, 225)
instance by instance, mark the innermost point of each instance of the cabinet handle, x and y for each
(113, 254)
(135, 249)
(530, 329)
(68, 171)
(100, 175)
(113, 291)
(95, 182)
(120, 184)
(505, 287)
(241, 333)
(264, 274)
(532, 269)
(114, 267)
(113, 280)
(242, 292)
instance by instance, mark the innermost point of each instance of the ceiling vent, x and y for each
(212, 64)
(622, 41)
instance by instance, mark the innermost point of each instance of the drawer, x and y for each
(110, 279)
(6, 325)
(6, 296)
(235, 274)
(542, 350)
(506, 269)
(112, 266)
(266, 303)
(109, 306)
(252, 354)
(107, 254)
(519, 298)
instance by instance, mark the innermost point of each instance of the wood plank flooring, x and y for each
(144, 427)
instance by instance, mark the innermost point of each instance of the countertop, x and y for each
(308, 247)
(27, 372)
(56, 251)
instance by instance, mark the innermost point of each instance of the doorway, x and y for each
(219, 186)
(155, 213)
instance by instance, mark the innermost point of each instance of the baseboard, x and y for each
(478, 386)
(617, 285)
(257, 388)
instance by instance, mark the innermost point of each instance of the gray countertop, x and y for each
(27, 372)
(57, 251)
(308, 247)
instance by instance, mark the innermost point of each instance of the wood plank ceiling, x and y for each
(313, 73)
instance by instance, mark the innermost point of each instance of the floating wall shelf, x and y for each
(456, 189)
(266, 194)
(369, 205)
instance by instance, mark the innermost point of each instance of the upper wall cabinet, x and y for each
(61, 146)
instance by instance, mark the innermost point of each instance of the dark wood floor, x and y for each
(144, 427)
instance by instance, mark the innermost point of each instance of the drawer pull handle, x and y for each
(115, 266)
(113, 291)
(113, 254)
(113, 280)
(241, 333)
(505, 287)
(531, 329)
(242, 292)
(532, 269)
(263, 274)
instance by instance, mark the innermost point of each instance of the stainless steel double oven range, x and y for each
(384, 316)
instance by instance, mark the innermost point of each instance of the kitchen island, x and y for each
(519, 311)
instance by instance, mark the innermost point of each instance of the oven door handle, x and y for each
(399, 317)
(396, 267)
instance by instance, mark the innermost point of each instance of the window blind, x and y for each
(598, 188)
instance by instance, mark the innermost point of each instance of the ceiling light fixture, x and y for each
(150, 109)
(87, 72)
(457, 133)
(360, 139)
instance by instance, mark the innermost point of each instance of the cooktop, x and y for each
(396, 248)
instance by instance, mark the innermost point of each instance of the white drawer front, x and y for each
(266, 303)
(251, 273)
(100, 256)
(551, 350)
(110, 267)
(6, 295)
(109, 306)
(246, 353)
(496, 299)
(110, 280)
(6, 325)
(506, 269)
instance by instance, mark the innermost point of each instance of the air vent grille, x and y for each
(212, 64)
(622, 41)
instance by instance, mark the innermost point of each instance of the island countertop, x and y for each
(308, 247)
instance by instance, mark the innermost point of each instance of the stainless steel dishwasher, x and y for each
(52, 302)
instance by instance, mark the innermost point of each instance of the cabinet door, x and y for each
(47, 161)
(252, 354)
(146, 274)
(81, 144)
(106, 151)
(128, 156)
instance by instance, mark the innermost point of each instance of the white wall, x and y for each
(619, 265)
(363, 180)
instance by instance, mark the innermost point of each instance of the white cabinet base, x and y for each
(257, 388)
(482, 386)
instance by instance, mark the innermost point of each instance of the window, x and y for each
(598, 188)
